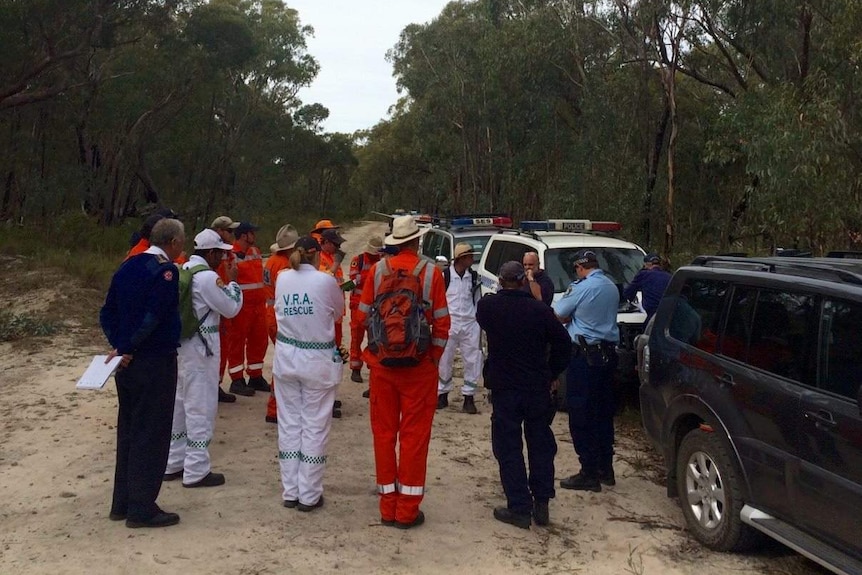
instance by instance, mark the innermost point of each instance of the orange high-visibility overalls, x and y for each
(403, 401)
(248, 334)
(327, 263)
(360, 269)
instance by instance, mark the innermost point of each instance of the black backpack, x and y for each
(474, 279)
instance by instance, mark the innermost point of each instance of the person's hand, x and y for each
(127, 358)
(529, 274)
(345, 355)
(338, 257)
(231, 268)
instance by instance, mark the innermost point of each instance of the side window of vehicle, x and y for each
(431, 244)
(495, 253)
(514, 251)
(783, 338)
(697, 314)
(737, 330)
(445, 246)
(841, 354)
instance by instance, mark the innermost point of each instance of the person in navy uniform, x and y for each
(589, 310)
(520, 370)
(141, 320)
(651, 281)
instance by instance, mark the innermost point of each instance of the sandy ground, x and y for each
(57, 458)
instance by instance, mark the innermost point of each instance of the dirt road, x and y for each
(57, 458)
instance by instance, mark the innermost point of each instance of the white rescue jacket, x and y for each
(307, 304)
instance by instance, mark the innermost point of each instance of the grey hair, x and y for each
(165, 231)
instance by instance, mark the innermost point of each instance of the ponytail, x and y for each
(301, 256)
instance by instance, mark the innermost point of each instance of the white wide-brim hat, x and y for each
(404, 229)
(285, 239)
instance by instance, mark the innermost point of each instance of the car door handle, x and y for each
(725, 379)
(821, 417)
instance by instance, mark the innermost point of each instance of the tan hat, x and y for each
(404, 229)
(375, 243)
(224, 223)
(285, 239)
(463, 249)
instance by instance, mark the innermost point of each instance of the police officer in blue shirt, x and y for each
(141, 320)
(589, 309)
(651, 281)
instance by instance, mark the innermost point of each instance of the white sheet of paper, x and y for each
(98, 372)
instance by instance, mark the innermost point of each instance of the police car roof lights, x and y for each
(555, 225)
(480, 220)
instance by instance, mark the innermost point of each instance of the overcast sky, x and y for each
(350, 43)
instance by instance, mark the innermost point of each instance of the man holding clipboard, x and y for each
(141, 320)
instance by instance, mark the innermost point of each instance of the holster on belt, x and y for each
(597, 354)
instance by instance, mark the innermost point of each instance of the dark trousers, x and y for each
(146, 390)
(532, 409)
(590, 400)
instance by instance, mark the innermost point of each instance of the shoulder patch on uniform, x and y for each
(354, 263)
(569, 290)
(219, 283)
(168, 275)
(161, 259)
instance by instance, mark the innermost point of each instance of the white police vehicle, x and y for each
(557, 242)
(473, 229)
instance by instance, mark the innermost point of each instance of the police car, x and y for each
(474, 229)
(557, 242)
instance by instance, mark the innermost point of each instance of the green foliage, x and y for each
(19, 326)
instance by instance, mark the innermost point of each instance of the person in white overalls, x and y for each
(462, 294)
(306, 370)
(198, 365)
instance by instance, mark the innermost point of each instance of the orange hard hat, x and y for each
(323, 225)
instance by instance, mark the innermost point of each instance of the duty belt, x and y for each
(596, 354)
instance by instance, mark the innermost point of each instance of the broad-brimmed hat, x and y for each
(463, 249)
(244, 228)
(404, 229)
(224, 223)
(285, 239)
(210, 240)
(332, 235)
(374, 245)
(323, 225)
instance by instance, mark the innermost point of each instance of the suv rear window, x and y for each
(621, 264)
(697, 316)
(841, 361)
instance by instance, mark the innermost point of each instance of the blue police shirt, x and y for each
(141, 311)
(591, 304)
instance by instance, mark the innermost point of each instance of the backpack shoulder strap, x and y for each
(379, 272)
(447, 276)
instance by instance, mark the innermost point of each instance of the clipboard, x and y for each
(98, 372)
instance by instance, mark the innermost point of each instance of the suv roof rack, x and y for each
(849, 271)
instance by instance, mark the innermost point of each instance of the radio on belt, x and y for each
(569, 226)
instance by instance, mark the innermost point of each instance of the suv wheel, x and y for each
(710, 495)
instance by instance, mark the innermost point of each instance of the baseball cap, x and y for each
(585, 256)
(652, 258)
(210, 240)
(308, 244)
(224, 223)
(331, 235)
(245, 227)
(512, 271)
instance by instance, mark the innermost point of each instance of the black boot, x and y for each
(224, 397)
(540, 513)
(258, 384)
(356, 375)
(443, 401)
(239, 387)
(469, 405)
(582, 482)
(506, 515)
(606, 477)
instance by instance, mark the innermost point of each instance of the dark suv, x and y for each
(751, 390)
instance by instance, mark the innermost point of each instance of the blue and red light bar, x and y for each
(498, 221)
(569, 226)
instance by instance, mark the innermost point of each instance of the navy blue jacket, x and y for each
(652, 284)
(528, 347)
(546, 284)
(141, 312)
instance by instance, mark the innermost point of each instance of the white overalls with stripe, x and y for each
(306, 370)
(198, 370)
(464, 334)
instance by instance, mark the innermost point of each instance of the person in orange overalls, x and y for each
(330, 262)
(224, 227)
(360, 267)
(279, 259)
(404, 399)
(248, 334)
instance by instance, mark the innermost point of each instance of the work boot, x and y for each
(337, 404)
(211, 479)
(356, 375)
(469, 405)
(366, 394)
(271, 419)
(506, 515)
(224, 397)
(606, 477)
(258, 383)
(336, 413)
(540, 513)
(581, 482)
(239, 387)
(443, 401)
